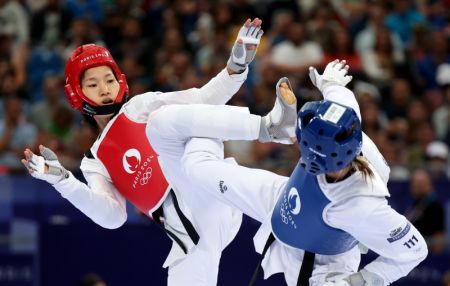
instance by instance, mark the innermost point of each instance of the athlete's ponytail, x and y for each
(361, 164)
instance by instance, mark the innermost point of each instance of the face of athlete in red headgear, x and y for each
(94, 82)
(100, 85)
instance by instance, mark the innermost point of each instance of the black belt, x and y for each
(305, 270)
(184, 220)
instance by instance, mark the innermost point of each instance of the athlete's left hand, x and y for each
(339, 283)
(361, 278)
(335, 73)
(244, 49)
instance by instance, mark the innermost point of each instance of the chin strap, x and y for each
(92, 110)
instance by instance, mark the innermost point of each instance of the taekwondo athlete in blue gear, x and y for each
(330, 137)
(339, 193)
(331, 172)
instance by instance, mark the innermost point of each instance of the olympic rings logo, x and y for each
(146, 176)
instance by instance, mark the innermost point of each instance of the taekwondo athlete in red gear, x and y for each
(122, 163)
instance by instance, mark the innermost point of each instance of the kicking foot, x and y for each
(279, 125)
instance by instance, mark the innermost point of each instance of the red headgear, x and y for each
(83, 58)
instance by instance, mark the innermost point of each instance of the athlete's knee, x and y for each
(162, 123)
(199, 153)
(162, 117)
(194, 162)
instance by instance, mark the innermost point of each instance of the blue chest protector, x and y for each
(297, 218)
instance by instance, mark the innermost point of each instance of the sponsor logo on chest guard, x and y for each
(290, 206)
(132, 164)
(131, 160)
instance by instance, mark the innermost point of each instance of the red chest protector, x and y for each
(133, 164)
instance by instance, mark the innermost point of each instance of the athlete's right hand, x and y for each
(45, 167)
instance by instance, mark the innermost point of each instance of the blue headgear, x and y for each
(329, 135)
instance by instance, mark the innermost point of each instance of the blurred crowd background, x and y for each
(398, 52)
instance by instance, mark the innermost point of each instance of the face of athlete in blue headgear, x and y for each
(329, 136)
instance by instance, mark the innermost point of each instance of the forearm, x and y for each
(392, 270)
(342, 95)
(405, 250)
(400, 245)
(222, 87)
(101, 207)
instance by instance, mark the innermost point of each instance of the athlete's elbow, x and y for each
(423, 253)
(112, 222)
(420, 252)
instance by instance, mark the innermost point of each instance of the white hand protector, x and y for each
(335, 73)
(244, 49)
(339, 283)
(279, 125)
(46, 167)
(361, 278)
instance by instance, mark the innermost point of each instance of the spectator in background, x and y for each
(221, 13)
(82, 31)
(417, 113)
(365, 39)
(188, 13)
(15, 134)
(393, 147)
(172, 45)
(50, 24)
(404, 19)
(396, 105)
(341, 47)
(62, 126)
(41, 112)
(133, 45)
(7, 82)
(291, 8)
(14, 20)
(87, 9)
(426, 212)
(282, 21)
(423, 135)
(207, 39)
(372, 117)
(380, 63)
(437, 54)
(242, 9)
(441, 117)
(13, 65)
(322, 26)
(436, 12)
(43, 62)
(296, 54)
(436, 159)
